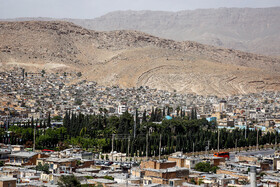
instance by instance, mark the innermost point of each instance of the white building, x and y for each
(122, 109)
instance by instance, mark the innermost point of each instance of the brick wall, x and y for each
(164, 175)
(232, 173)
(148, 164)
(179, 161)
(157, 165)
(247, 158)
(165, 165)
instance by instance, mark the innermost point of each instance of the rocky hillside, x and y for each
(247, 29)
(253, 30)
(131, 58)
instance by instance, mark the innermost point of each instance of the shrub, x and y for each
(205, 167)
(109, 177)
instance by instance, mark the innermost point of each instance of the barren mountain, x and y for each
(131, 58)
(255, 30)
(248, 29)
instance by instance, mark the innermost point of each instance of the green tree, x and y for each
(57, 118)
(79, 74)
(144, 119)
(44, 168)
(109, 177)
(43, 72)
(78, 101)
(68, 181)
(49, 120)
(2, 163)
(205, 167)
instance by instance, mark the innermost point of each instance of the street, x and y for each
(253, 153)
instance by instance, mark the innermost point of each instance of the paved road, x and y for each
(254, 153)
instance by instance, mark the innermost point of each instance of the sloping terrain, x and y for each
(131, 58)
(254, 30)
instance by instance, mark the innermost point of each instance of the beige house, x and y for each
(103, 182)
(22, 159)
(59, 165)
(185, 162)
(8, 182)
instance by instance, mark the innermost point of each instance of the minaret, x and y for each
(253, 178)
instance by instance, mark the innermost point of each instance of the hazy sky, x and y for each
(95, 8)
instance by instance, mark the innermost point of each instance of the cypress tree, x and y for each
(192, 114)
(152, 115)
(168, 111)
(144, 119)
(177, 111)
(49, 120)
(160, 116)
(137, 121)
(32, 122)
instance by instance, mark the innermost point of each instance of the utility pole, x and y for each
(208, 146)
(128, 146)
(257, 139)
(34, 136)
(134, 133)
(275, 140)
(235, 145)
(147, 147)
(193, 149)
(245, 132)
(245, 128)
(218, 140)
(159, 146)
(113, 137)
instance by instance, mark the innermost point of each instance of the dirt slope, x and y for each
(130, 58)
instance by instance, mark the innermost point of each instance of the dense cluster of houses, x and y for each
(21, 168)
(25, 95)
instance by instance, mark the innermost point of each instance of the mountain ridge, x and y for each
(253, 30)
(133, 58)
